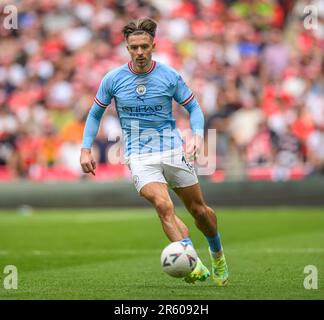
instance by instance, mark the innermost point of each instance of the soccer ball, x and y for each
(178, 259)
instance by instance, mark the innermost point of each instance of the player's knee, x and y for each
(210, 211)
(199, 211)
(164, 207)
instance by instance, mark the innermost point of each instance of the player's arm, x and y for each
(185, 97)
(90, 132)
(101, 101)
(197, 122)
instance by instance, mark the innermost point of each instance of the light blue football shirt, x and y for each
(144, 106)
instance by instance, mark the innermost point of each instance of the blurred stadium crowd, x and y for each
(255, 69)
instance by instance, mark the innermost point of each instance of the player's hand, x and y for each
(87, 162)
(193, 147)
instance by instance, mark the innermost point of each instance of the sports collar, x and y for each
(130, 66)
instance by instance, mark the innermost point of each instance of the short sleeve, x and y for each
(183, 94)
(104, 93)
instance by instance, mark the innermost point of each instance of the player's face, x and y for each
(140, 48)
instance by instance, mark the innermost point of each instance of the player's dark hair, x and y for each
(140, 26)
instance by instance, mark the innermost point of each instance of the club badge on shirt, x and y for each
(141, 89)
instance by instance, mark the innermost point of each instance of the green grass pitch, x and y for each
(115, 254)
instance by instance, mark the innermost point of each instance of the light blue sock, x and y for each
(215, 244)
(187, 241)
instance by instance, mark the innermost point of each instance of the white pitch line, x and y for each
(278, 250)
(108, 252)
(90, 252)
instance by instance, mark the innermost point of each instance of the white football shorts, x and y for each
(170, 167)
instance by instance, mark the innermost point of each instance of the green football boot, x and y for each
(200, 273)
(219, 270)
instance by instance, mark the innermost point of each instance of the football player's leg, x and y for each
(206, 221)
(175, 229)
(205, 218)
(179, 172)
(200, 272)
(157, 194)
(184, 231)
